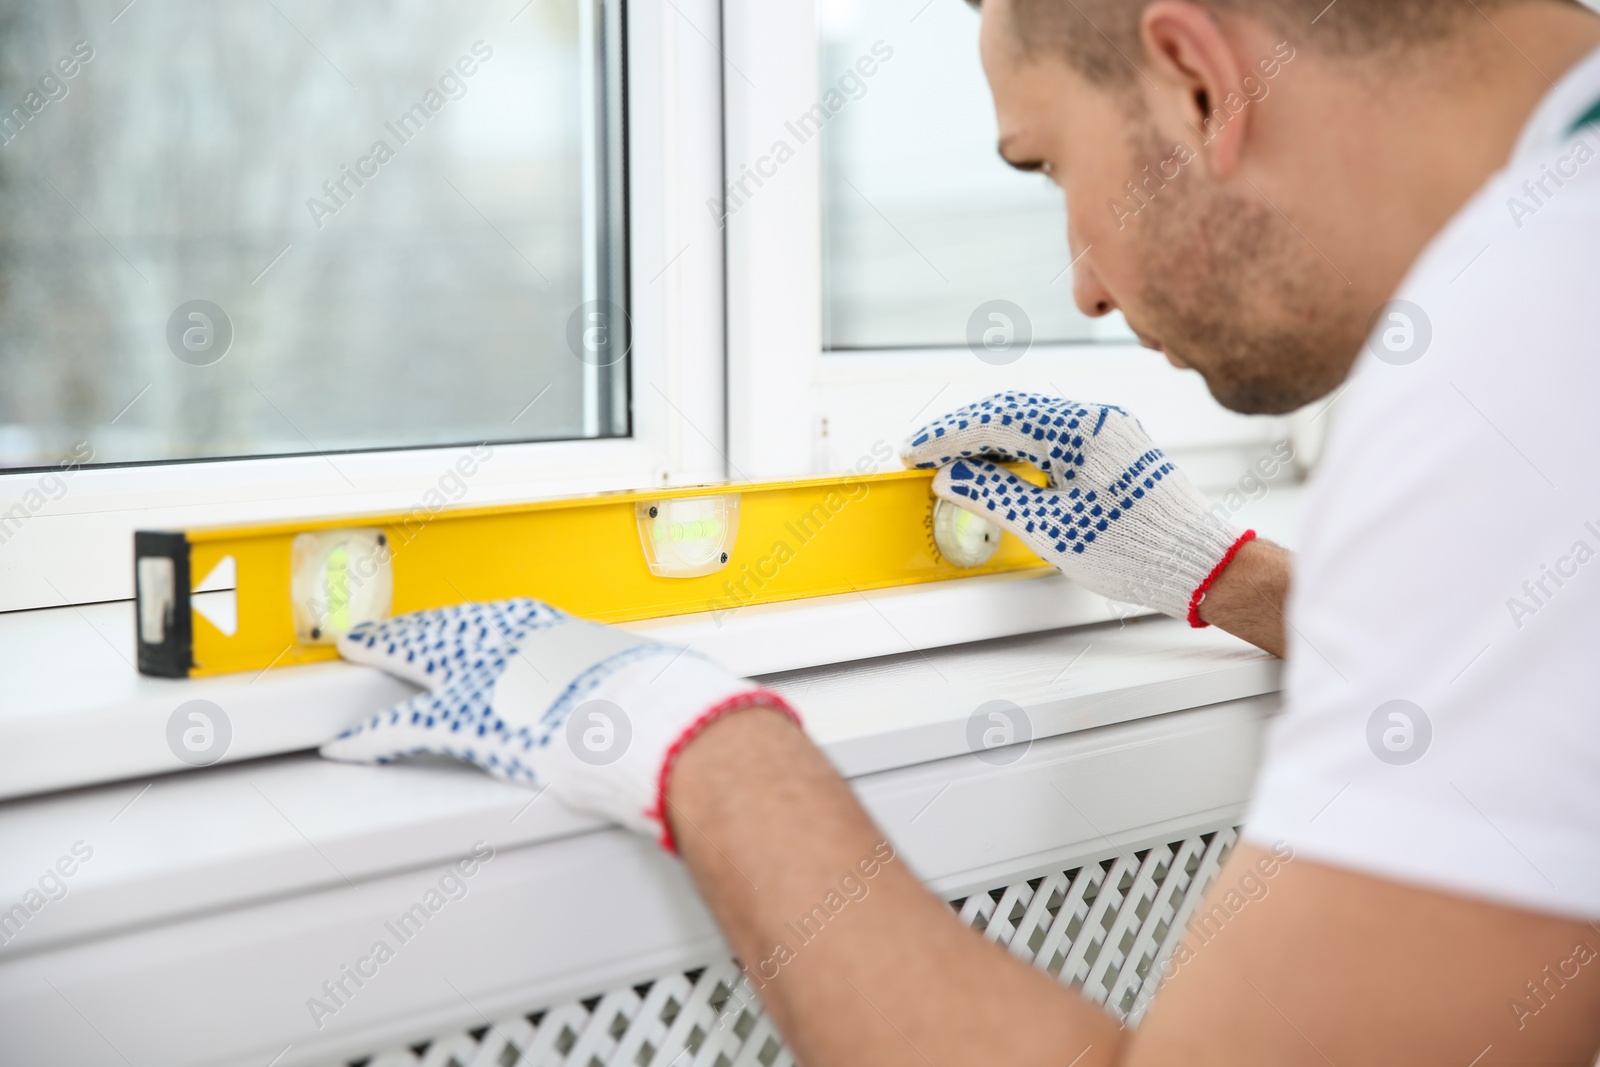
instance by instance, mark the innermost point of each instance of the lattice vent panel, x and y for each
(1104, 927)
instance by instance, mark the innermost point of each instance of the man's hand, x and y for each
(1117, 516)
(540, 698)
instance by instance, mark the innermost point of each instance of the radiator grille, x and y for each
(1104, 927)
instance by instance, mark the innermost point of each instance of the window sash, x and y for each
(797, 409)
(75, 547)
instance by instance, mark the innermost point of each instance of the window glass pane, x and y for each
(922, 222)
(287, 226)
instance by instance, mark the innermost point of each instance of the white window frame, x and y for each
(782, 388)
(79, 549)
(795, 409)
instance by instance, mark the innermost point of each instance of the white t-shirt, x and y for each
(1442, 718)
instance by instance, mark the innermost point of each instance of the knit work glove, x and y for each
(1117, 516)
(540, 698)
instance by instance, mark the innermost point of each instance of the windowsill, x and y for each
(70, 672)
(220, 837)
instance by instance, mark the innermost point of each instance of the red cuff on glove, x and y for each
(1222, 564)
(764, 698)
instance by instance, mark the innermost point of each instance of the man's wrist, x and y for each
(1196, 620)
(1246, 597)
(708, 742)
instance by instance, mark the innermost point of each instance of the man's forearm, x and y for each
(1247, 599)
(857, 962)
(855, 968)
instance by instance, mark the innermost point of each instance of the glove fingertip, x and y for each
(979, 485)
(342, 750)
(918, 450)
(969, 469)
(353, 645)
(365, 642)
(957, 484)
(948, 473)
(362, 744)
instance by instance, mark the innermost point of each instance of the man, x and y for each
(1252, 182)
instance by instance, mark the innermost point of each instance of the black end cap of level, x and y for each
(173, 656)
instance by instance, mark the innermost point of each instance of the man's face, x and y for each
(1206, 271)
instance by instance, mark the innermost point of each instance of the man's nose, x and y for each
(1092, 298)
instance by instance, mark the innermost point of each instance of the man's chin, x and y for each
(1267, 375)
(1260, 397)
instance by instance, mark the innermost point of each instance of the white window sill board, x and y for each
(174, 845)
(76, 711)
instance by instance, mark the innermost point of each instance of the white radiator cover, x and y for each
(1104, 928)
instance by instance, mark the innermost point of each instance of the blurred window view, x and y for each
(922, 222)
(260, 227)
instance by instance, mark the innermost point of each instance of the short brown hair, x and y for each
(1100, 38)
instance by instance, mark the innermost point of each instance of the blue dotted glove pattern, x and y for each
(1071, 520)
(459, 655)
(1052, 434)
(1024, 427)
(1117, 516)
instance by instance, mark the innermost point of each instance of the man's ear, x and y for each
(1196, 83)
